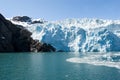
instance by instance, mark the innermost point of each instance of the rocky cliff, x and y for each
(15, 38)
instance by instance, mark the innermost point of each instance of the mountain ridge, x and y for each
(16, 38)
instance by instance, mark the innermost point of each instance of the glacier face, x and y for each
(78, 35)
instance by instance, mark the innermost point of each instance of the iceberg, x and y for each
(106, 59)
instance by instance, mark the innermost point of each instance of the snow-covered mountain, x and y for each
(85, 35)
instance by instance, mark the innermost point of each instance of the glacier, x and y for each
(78, 35)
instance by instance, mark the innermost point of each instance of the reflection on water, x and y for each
(53, 66)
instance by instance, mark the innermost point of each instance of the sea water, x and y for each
(60, 66)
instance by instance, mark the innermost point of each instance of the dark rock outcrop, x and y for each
(36, 46)
(34, 22)
(27, 19)
(15, 38)
(22, 18)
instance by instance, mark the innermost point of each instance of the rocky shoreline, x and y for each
(15, 38)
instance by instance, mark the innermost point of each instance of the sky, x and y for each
(61, 9)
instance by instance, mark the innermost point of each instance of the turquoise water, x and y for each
(52, 66)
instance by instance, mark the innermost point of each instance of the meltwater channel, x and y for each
(60, 66)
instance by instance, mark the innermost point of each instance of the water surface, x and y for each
(52, 66)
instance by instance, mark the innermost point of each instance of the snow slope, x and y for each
(85, 35)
